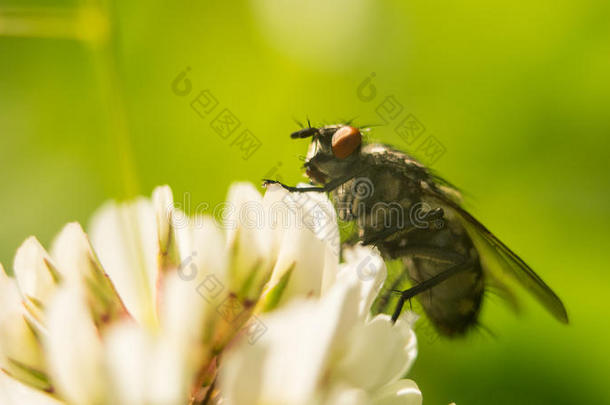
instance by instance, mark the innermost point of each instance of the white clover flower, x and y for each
(154, 307)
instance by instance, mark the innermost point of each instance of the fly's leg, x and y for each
(381, 235)
(432, 215)
(428, 284)
(330, 186)
(266, 182)
(457, 265)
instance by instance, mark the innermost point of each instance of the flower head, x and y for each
(154, 307)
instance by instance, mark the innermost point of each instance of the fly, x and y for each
(415, 217)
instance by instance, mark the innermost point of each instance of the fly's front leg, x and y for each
(330, 186)
(292, 189)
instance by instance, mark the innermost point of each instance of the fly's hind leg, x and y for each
(458, 264)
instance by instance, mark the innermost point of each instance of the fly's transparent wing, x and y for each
(503, 263)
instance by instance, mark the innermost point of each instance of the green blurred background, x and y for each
(516, 92)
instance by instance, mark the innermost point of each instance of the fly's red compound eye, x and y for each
(345, 141)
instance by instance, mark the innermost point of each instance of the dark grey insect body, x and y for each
(414, 216)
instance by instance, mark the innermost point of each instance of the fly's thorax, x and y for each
(378, 200)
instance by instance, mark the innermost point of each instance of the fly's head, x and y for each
(333, 151)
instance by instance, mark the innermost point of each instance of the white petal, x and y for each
(126, 353)
(240, 377)
(245, 217)
(78, 265)
(203, 275)
(315, 328)
(342, 395)
(17, 340)
(183, 312)
(163, 202)
(34, 272)
(249, 238)
(169, 377)
(366, 267)
(316, 331)
(291, 376)
(298, 243)
(13, 392)
(320, 216)
(377, 353)
(203, 265)
(331, 268)
(202, 249)
(72, 253)
(279, 216)
(143, 369)
(302, 253)
(401, 392)
(73, 348)
(125, 239)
